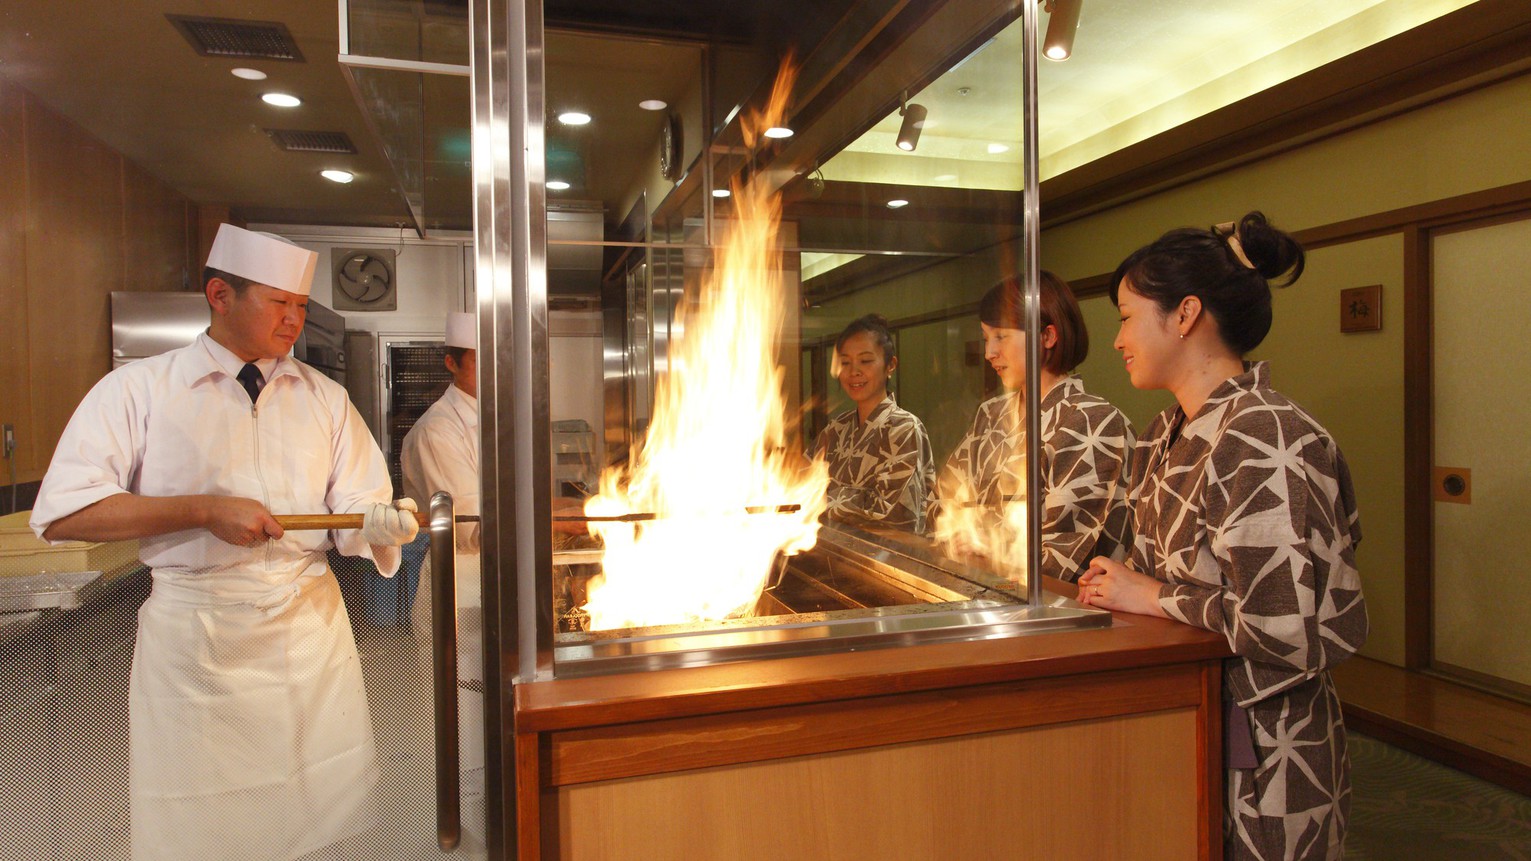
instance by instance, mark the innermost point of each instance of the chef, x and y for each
(441, 452)
(250, 733)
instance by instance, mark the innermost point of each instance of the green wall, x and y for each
(1353, 384)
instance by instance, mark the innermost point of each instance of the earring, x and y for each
(1182, 336)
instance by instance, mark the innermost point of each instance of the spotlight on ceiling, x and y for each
(574, 118)
(914, 122)
(340, 176)
(557, 185)
(778, 132)
(1062, 21)
(281, 100)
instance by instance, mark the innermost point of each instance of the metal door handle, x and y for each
(444, 669)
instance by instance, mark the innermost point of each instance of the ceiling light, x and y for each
(281, 100)
(909, 129)
(945, 177)
(996, 149)
(573, 118)
(248, 74)
(653, 104)
(721, 192)
(341, 176)
(897, 203)
(558, 185)
(1062, 21)
(778, 132)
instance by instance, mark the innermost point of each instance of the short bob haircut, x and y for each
(1204, 264)
(1004, 307)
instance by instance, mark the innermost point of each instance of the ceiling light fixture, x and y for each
(1062, 21)
(996, 149)
(281, 100)
(340, 176)
(914, 122)
(248, 74)
(778, 132)
(653, 104)
(557, 185)
(573, 118)
(897, 203)
(721, 193)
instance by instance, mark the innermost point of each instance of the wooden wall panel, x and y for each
(15, 356)
(154, 233)
(15, 403)
(74, 260)
(1106, 789)
(77, 221)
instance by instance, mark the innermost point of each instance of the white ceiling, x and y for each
(1139, 68)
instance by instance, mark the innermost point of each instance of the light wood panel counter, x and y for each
(1102, 743)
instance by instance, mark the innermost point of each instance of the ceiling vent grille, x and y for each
(293, 140)
(230, 37)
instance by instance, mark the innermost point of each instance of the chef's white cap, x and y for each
(263, 258)
(462, 330)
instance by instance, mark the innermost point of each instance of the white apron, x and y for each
(251, 736)
(470, 686)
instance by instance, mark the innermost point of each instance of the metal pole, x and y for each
(1030, 265)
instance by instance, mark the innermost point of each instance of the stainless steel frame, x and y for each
(509, 222)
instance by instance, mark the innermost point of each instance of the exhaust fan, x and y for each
(364, 279)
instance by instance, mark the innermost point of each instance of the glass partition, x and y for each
(769, 486)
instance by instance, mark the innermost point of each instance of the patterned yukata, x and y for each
(1086, 446)
(1247, 512)
(880, 471)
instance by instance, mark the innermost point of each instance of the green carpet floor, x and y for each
(1408, 808)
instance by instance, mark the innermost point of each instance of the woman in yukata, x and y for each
(880, 462)
(1246, 525)
(1085, 440)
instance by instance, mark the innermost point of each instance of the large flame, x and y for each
(966, 526)
(715, 467)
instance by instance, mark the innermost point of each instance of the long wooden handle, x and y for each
(350, 521)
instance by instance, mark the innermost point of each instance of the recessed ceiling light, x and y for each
(248, 74)
(557, 185)
(337, 175)
(897, 203)
(996, 149)
(945, 177)
(653, 104)
(573, 118)
(281, 100)
(778, 132)
(721, 192)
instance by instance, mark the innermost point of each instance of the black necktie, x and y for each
(250, 377)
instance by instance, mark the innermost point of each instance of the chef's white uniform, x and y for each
(250, 732)
(441, 452)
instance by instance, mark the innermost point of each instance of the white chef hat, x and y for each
(462, 330)
(263, 258)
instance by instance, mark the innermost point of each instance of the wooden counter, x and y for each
(1101, 743)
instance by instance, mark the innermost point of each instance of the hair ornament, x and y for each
(1230, 233)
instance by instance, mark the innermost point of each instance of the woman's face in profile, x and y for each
(1005, 351)
(1147, 339)
(864, 371)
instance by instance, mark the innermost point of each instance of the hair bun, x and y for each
(1272, 251)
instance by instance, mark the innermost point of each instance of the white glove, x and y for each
(390, 525)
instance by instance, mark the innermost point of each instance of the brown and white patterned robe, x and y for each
(880, 471)
(1086, 444)
(1246, 510)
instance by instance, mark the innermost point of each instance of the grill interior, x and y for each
(231, 37)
